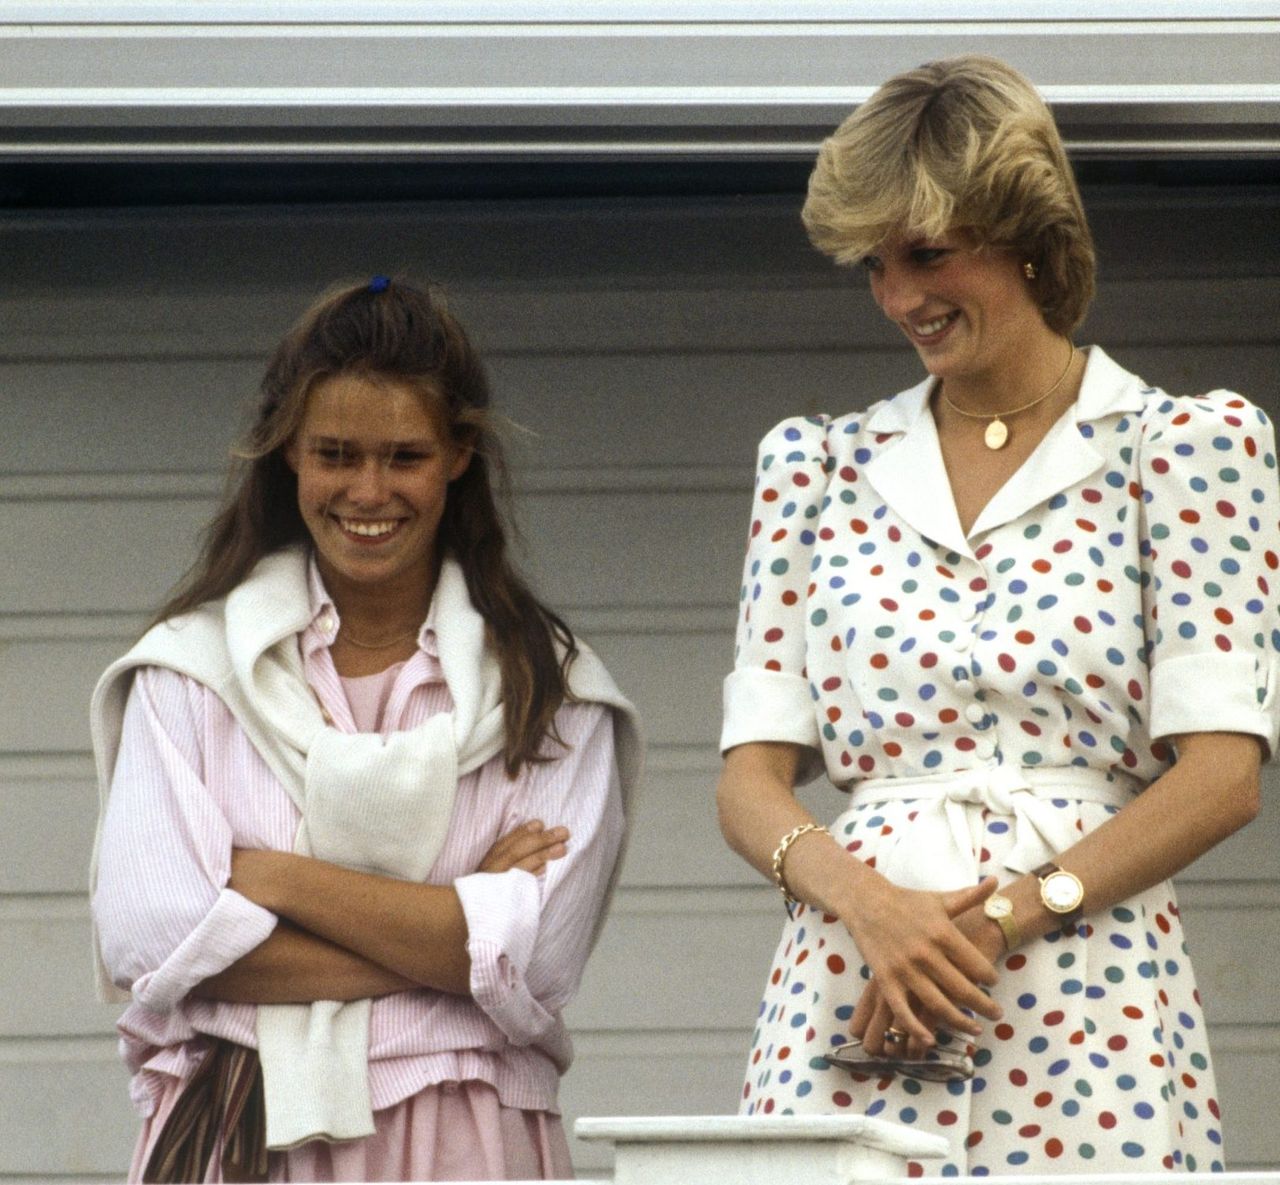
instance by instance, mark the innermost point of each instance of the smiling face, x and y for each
(374, 461)
(969, 313)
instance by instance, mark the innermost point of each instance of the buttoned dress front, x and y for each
(986, 699)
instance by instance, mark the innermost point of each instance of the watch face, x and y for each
(1061, 892)
(998, 907)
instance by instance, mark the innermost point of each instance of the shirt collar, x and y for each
(1106, 389)
(325, 621)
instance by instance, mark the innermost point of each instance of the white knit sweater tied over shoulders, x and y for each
(377, 804)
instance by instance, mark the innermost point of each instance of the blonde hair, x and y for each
(963, 143)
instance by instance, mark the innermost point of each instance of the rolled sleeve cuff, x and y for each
(502, 911)
(764, 705)
(1215, 693)
(229, 931)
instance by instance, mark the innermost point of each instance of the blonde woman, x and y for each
(1024, 614)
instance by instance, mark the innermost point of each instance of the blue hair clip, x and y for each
(379, 284)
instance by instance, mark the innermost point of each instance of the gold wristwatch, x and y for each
(1060, 892)
(1000, 910)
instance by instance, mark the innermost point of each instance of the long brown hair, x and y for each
(397, 330)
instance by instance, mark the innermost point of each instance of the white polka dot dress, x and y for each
(987, 699)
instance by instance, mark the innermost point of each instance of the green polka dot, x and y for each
(1002, 1117)
(1073, 579)
(1083, 1088)
(778, 567)
(1031, 532)
(1114, 975)
(1087, 1151)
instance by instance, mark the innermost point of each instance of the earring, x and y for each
(1029, 270)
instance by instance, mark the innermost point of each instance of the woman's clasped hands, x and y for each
(928, 966)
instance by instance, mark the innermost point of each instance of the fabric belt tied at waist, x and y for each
(940, 850)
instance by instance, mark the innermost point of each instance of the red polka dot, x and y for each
(1007, 662)
(768, 1106)
(1015, 962)
(1083, 624)
(1055, 1017)
(770, 495)
(1025, 637)
(835, 964)
(858, 526)
(1091, 495)
(790, 597)
(1118, 1043)
(975, 1138)
(1107, 1120)
(841, 1099)
(879, 661)
(1181, 568)
(1029, 1131)
(1189, 516)
(1003, 1031)
(1053, 1148)
(784, 1053)
(947, 1118)
(1132, 1011)
(929, 660)
(773, 635)
(1042, 566)
(1222, 642)
(1063, 546)
(1223, 615)
(1044, 1098)
(1018, 1077)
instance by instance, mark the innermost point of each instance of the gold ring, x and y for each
(893, 1034)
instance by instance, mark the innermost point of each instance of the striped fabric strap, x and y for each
(223, 1099)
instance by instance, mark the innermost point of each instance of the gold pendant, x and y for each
(996, 435)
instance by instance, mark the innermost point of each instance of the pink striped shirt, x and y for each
(189, 787)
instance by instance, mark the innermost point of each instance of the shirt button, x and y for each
(986, 747)
(326, 623)
(969, 612)
(975, 713)
(963, 641)
(964, 686)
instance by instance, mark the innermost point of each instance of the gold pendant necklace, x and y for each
(996, 435)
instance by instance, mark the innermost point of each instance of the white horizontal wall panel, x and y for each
(687, 958)
(45, 1120)
(674, 680)
(659, 83)
(48, 805)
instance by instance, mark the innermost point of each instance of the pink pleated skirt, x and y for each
(450, 1132)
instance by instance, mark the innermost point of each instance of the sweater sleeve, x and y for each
(165, 917)
(529, 936)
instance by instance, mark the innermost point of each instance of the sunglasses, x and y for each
(943, 1063)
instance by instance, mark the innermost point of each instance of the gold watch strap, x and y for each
(1008, 927)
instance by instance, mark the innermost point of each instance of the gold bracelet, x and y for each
(780, 854)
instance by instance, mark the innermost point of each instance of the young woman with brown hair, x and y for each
(363, 795)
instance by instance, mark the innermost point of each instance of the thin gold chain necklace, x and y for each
(996, 435)
(345, 635)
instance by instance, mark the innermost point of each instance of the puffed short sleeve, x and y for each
(1210, 549)
(768, 697)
